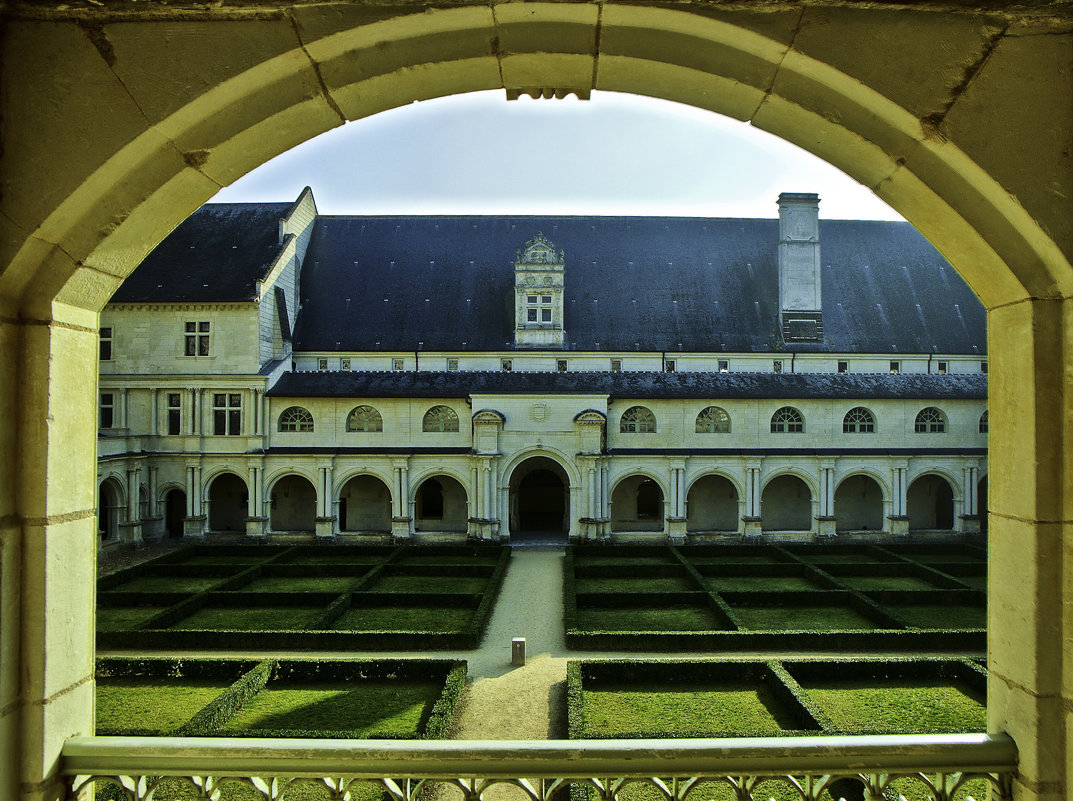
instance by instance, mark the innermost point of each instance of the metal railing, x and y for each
(944, 767)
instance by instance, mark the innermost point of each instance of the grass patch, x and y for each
(669, 618)
(902, 705)
(259, 618)
(759, 583)
(801, 618)
(189, 584)
(838, 558)
(634, 584)
(432, 559)
(369, 708)
(404, 618)
(885, 583)
(122, 618)
(725, 707)
(976, 582)
(301, 584)
(948, 558)
(470, 585)
(367, 562)
(160, 703)
(223, 559)
(942, 616)
(623, 559)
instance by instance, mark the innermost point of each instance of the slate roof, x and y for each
(216, 256)
(631, 283)
(624, 385)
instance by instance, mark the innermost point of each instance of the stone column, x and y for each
(194, 524)
(255, 517)
(402, 524)
(192, 411)
(969, 520)
(676, 519)
(752, 526)
(130, 528)
(154, 412)
(899, 518)
(825, 519)
(325, 520)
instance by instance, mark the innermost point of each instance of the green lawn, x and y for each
(866, 583)
(838, 558)
(634, 584)
(759, 583)
(121, 618)
(356, 561)
(632, 561)
(259, 618)
(432, 559)
(731, 708)
(797, 618)
(169, 583)
(404, 618)
(466, 584)
(366, 708)
(160, 704)
(738, 559)
(300, 584)
(673, 618)
(882, 706)
(942, 616)
(976, 582)
(221, 559)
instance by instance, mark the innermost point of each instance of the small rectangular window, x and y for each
(227, 413)
(106, 345)
(724, 366)
(396, 364)
(777, 365)
(616, 365)
(545, 315)
(344, 364)
(197, 338)
(107, 410)
(669, 366)
(941, 368)
(452, 365)
(175, 413)
(560, 365)
(531, 315)
(531, 299)
(322, 364)
(983, 367)
(895, 367)
(545, 298)
(507, 365)
(843, 367)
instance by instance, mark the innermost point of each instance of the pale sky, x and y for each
(614, 154)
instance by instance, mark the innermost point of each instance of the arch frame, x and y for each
(809, 480)
(341, 478)
(557, 455)
(737, 482)
(614, 482)
(213, 473)
(857, 470)
(279, 474)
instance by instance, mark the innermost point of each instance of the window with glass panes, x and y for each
(227, 413)
(197, 338)
(175, 413)
(107, 410)
(106, 344)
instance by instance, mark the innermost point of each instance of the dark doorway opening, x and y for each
(539, 501)
(174, 512)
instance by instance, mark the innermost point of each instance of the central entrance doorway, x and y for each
(539, 501)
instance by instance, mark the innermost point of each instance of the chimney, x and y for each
(800, 318)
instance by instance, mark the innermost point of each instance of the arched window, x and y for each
(787, 420)
(296, 419)
(858, 420)
(637, 420)
(440, 418)
(930, 421)
(713, 420)
(364, 418)
(983, 422)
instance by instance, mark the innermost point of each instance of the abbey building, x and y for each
(269, 371)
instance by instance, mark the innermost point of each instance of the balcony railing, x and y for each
(942, 767)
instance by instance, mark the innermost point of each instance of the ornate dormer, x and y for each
(800, 316)
(538, 295)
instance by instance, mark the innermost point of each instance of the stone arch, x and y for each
(160, 149)
(557, 455)
(858, 503)
(227, 501)
(365, 503)
(539, 488)
(638, 503)
(786, 503)
(713, 503)
(929, 502)
(293, 503)
(110, 505)
(441, 504)
(173, 502)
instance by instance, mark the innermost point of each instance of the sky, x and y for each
(614, 154)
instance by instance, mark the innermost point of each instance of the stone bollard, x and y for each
(517, 651)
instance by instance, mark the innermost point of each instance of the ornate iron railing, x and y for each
(947, 767)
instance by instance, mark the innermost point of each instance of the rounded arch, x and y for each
(712, 504)
(539, 491)
(364, 418)
(228, 502)
(364, 503)
(858, 505)
(281, 473)
(929, 503)
(295, 419)
(787, 420)
(786, 503)
(931, 420)
(637, 503)
(293, 504)
(712, 420)
(556, 455)
(637, 420)
(440, 418)
(110, 505)
(859, 420)
(441, 503)
(806, 478)
(173, 503)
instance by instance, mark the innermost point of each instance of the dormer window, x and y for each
(538, 293)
